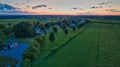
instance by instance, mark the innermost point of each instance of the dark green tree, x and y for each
(32, 51)
(23, 29)
(52, 36)
(74, 28)
(2, 26)
(9, 24)
(55, 29)
(41, 40)
(3, 37)
(66, 31)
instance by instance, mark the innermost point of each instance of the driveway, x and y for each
(15, 52)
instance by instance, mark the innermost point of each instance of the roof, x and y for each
(10, 42)
(38, 30)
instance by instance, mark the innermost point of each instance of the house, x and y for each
(82, 21)
(38, 30)
(72, 25)
(11, 44)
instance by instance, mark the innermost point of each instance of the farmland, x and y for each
(97, 46)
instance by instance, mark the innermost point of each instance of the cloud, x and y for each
(50, 8)
(27, 6)
(105, 3)
(75, 8)
(94, 7)
(7, 7)
(109, 6)
(112, 10)
(15, 12)
(39, 6)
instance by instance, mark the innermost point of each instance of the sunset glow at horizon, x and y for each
(60, 7)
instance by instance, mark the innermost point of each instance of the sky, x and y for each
(60, 7)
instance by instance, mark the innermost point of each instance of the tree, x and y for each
(37, 24)
(52, 36)
(32, 52)
(9, 24)
(74, 28)
(2, 26)
(2, 38)
(78, 26)
(25, 63)
(55, 29)
(47, 25)
(41, 40)
(23, 29)
(8, 31)
(66, 31)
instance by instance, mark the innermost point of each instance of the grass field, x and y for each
(97, 46)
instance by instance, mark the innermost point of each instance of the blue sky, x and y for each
(67, 7)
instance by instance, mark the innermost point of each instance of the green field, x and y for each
(98, 46)
(104, 20)
(15, 20)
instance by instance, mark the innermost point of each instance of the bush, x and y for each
(41, 40)
(55, 49)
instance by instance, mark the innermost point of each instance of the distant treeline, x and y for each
(39, 16)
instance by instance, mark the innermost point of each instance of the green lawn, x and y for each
(97, 46)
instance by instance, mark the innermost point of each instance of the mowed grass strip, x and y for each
(79, 52)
